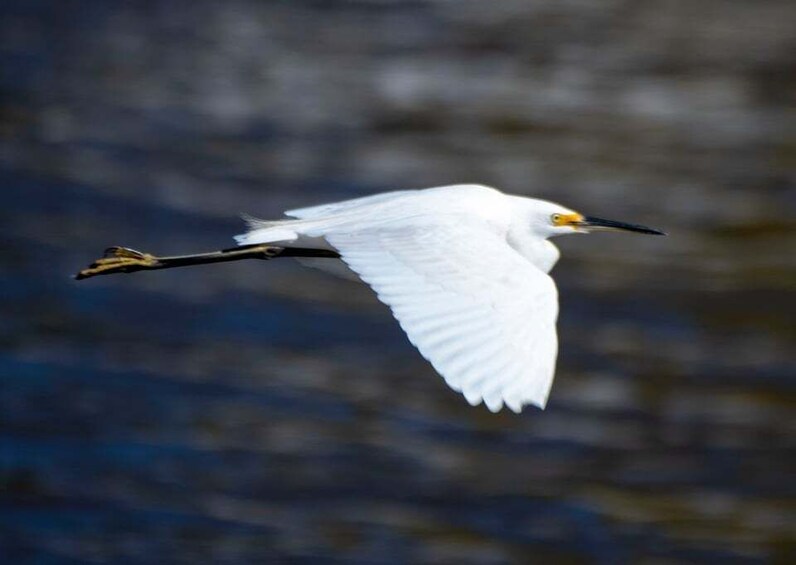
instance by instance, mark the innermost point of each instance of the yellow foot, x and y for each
(119, 260)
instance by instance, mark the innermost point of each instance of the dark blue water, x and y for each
(261, 413)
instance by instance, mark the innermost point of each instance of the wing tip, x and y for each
(496, 405)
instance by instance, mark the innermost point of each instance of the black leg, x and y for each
(125, 260)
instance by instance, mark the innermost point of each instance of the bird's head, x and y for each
(554, 219)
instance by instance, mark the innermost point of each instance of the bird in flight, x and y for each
(464, 269)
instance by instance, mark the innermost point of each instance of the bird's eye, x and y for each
(556, 218)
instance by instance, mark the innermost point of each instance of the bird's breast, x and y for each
(542, 253)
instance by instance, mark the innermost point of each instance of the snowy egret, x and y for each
(463, 268)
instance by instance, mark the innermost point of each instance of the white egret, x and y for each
(463, 268)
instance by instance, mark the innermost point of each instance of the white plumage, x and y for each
(463, 269)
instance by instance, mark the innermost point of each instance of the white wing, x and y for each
(346, 205)
(476, 309)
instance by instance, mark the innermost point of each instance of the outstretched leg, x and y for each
(125, 260)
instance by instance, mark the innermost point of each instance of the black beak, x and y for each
(590, 222)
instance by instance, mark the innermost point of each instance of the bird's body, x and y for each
(480, 207)
(463, 269)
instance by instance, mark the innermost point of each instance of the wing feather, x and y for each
(481, 314)
(338, 207)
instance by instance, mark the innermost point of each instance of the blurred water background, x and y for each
(264, 413)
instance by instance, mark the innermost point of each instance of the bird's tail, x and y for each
(267, 231)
